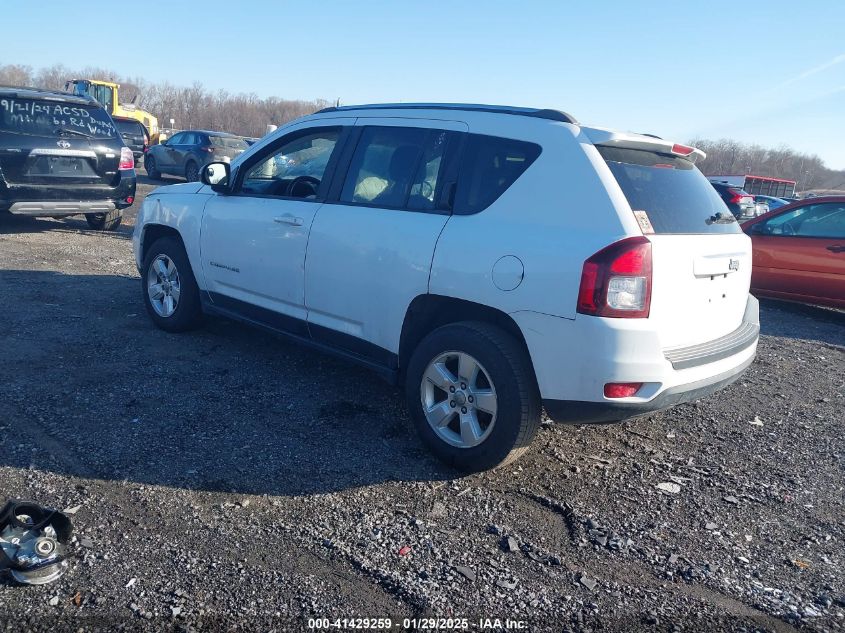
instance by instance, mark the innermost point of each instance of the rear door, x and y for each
(800, 253)
(371, 246)
(701, 259)
(47, 143)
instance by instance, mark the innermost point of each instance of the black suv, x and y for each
(740, 202)
(135, 135)
(185, 153)
(61, 155)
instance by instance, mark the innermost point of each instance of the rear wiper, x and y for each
(64, 130)
(721, 218)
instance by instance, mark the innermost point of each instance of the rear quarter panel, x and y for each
(558, 213)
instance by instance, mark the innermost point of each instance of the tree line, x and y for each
(194, 107)
(191, 107)
(728, 157)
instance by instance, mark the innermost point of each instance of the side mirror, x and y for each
(216, 176)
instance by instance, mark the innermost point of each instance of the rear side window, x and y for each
(42, 117)
(673, 193)
(395, 167)
(489, 166)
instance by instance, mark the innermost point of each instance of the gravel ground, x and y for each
(226, 479)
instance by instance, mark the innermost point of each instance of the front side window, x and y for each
(295, 168)
(178, 139)
(490, 165)
(814, 220)
(395, 167)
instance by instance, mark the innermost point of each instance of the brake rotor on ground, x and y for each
(33, 542)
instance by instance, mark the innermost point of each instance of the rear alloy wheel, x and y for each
(171, 294)
(472, 395)
(192, 172)
(108, 221)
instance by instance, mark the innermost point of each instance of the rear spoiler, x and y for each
(646, 142)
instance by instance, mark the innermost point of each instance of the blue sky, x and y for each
(771, 72)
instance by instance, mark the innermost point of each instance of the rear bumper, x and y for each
(582, 412)
(57, 200)
(574, 359)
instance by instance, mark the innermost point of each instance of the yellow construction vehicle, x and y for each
(106, 93)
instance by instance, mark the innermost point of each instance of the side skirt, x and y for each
(373, 357)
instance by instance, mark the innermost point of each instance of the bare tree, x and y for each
(190, 107)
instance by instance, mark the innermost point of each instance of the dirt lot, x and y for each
(230, 480)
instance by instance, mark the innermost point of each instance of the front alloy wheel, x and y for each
(170, 291)
(459, 399)
(163, 286)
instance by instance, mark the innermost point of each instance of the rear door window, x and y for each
(670, 190)
(43, 117)
(395, 167)
(489, 166)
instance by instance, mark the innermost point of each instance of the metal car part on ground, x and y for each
(33, 542)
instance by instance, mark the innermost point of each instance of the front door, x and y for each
(253, 241)
(800, 253)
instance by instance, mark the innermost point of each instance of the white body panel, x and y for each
(180, 208)
(253, 250)
(365, 264)
(355, 269)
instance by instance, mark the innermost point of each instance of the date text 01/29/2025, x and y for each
(418, 624)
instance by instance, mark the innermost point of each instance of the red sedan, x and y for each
(799, 252)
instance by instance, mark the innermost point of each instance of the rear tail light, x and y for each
(616, 281)
(621, 389)
(739, 198)
(127, 160)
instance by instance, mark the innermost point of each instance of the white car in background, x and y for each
(491, 260)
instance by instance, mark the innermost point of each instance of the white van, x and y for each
(492, 260)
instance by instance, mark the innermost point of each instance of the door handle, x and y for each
(837, 248)
(287, 218)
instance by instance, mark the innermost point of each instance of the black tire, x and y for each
(150, 166)
(188, 312)
(507, 362)
(192, 172)
(108, 221)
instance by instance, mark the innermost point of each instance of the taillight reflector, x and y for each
(621, 389)
(616, 281)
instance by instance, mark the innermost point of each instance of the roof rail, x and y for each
(552, 115)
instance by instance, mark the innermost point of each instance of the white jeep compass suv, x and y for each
(492, 260)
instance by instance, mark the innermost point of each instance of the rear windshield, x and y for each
(42, 117)
(674, 196)
(229, 142)
(129, 127)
